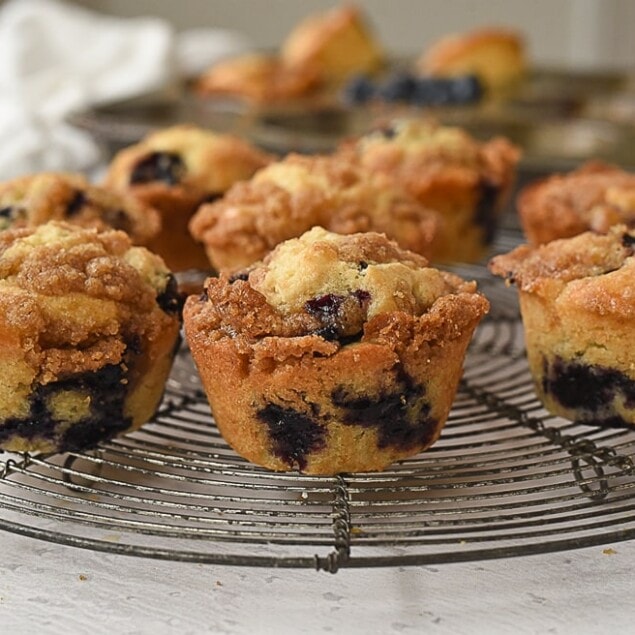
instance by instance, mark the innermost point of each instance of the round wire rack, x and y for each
(505, 479)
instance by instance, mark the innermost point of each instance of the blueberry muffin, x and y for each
(335, 354)
(337, 42)
(577, 297)
(496, 55)
(445, 169)
(259, 79)
(175, 170)
(288, 197)
(32, 200)
(592, 197)
(88, 330)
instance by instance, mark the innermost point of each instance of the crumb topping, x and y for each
(594, 271)
(328, 285)
(55, 196)
(595, 196)
(77, 298)
(188, 156)
(321, 263)
(287, 198)
(416, 149)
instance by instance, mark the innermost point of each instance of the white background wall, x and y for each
(577, 33)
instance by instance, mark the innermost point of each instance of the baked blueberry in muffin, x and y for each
(444, 168)
(32, 200)
(291, 196)
(577, 297)
(88, 330)
(595, 196)
(337, 353)
(175, 170)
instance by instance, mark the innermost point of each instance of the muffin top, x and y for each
(259, 78)
(497, 55)
(595, 272)
(30, 201)
(76, 299)
(331, 285)
(187, 156)
(416, 151)
(595, 196)
(288, 197)
(338, 42)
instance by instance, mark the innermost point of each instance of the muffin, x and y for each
(89, 325)
(337, 353)
(338, 43)
(467, 181)
(288, 197)
(495, 55)
(577, 298)
(176, 169)
(32, 200)
(259, 79)
(592, 197)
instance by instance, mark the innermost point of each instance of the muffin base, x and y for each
(316, 406)
(581, 368)
(78, 411)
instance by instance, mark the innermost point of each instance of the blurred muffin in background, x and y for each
(593, 197)
(338, 43)
(175, 170)
(444, 168)
(323, 51)
(33, 200)
(496, 55)
(291, 196)
(258, 78)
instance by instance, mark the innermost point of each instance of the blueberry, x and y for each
(359, 90)
(591, 389)
(239, 275)
(76, 203)
(466, 89)
(324, 306)
(293, 435)
(628, 240)
(398, 87)
(433, 91)
(166, 167)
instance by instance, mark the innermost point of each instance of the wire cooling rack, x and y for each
(505, 479)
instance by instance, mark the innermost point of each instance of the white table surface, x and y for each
(49, 588)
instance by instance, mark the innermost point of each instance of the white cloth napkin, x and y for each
(56, 59)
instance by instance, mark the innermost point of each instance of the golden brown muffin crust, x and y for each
(211, 162)
(416, 152)
(289, 197)
(317, 375)
(592, 197)
(591, 271)
(497, 55)
(77, 297)
(337, 42)
(259, 79)
(32, 200)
